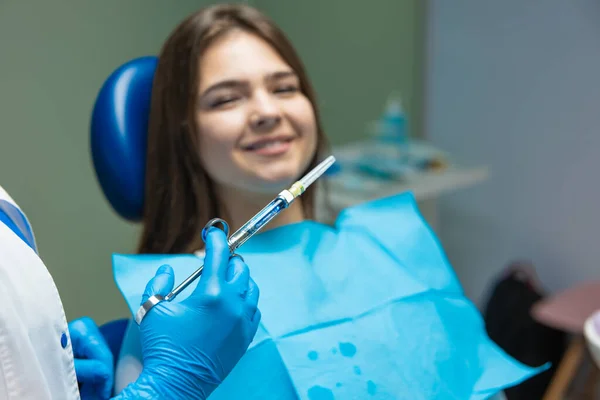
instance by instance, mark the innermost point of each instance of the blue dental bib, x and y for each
(367, 309)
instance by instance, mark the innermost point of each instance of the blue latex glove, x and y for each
(93, 359)
(191, 346)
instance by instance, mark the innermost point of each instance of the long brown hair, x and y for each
(179, 195)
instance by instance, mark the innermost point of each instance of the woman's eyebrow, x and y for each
(233, 83)
(280, 74)
(226, 84)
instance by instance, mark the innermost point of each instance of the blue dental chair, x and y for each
(118, 137)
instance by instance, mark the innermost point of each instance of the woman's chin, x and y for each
(273, 183)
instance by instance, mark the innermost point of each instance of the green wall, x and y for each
(54, 56)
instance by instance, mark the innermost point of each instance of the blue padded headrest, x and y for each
(118, 133)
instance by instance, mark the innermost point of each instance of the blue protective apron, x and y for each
(367, 309)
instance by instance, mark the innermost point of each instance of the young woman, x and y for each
(233, 121)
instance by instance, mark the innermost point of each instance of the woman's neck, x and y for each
(238, 207)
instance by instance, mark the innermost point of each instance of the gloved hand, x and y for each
(93, 360)
(190, 347)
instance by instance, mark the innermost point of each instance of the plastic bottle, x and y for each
(387, 156)
(394, 124)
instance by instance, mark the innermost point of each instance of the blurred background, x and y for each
(487, 110)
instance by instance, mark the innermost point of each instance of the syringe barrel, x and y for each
(263, 217)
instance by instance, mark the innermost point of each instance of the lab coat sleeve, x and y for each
(33, 363)
(17, 371)
(36, 358)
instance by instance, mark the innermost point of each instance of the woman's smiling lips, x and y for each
(271, 146)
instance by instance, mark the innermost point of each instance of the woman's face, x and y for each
(257, 129)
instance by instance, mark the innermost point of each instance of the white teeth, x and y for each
(267, 144)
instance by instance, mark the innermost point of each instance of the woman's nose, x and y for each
(266, 113)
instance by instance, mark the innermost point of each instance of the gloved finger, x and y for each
(251, 303)
(239, 275)
(89, 391)
(252, 327)
(216, 261)
(93, 372)
(161, 284)
(88, 342)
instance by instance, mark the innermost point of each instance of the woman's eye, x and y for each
(286, 89)
(222, 101)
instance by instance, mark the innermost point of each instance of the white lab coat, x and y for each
(36, 358)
